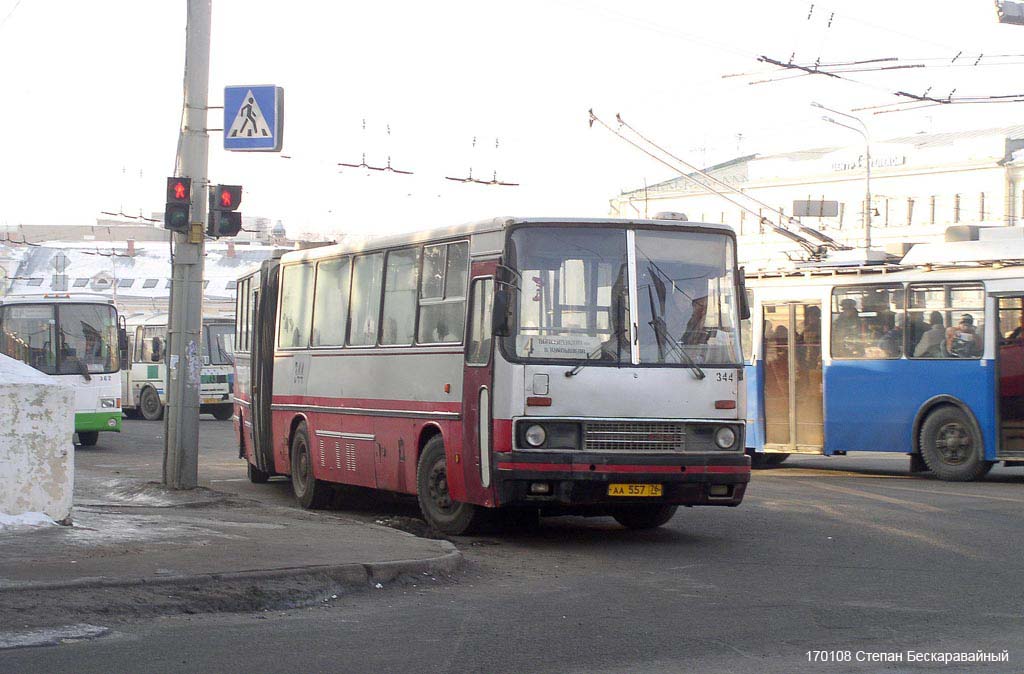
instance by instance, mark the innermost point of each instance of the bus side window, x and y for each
(443, 293)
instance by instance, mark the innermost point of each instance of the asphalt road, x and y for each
(851, 556)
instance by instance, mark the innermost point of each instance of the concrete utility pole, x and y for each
(184, 355)
(863, 131)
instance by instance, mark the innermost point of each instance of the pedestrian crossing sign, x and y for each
(253, 118)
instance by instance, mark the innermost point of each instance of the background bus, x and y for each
(924, 356)
(145, 374)
(611, 385)
(75, 338)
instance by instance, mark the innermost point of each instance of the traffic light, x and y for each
(225, 220)
(179, 204)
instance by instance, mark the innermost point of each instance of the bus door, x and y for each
(1010, 361)
(477, 389)
(793, 409)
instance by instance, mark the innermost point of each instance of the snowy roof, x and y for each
(110, 270)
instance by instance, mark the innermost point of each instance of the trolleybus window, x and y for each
(947, 320)
(867, 322)
(330, 308)
(443, 293)
(296, 306)
(400, 296)
(365, 302)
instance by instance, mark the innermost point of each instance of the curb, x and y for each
(233, 591)
(349, 574)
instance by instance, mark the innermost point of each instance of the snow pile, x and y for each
(25, 521)
(37, 415)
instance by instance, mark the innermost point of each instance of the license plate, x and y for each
(634, 490)
(207, 401)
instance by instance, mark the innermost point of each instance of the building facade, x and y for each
(920, 186)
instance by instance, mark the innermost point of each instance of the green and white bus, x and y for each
(144, 375)
(76, 338)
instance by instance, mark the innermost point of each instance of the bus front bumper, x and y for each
(583, 481)
(98, 421)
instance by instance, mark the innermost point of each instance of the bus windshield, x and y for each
(218, 343)
(61, 339)
(575, 302)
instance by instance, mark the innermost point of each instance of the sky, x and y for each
(92, 96)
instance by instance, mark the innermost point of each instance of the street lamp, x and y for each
(863, 131)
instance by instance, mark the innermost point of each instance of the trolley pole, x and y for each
(184, 355)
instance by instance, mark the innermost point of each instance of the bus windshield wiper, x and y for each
(596, 353)
(83, 368)
(661, 335)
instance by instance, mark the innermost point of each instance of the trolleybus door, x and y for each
(1010, 361)
(793, 409)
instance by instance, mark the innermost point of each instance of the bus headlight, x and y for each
(535, 435)
(725, 437)
(108, 403)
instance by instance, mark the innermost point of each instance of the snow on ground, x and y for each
(24, 521)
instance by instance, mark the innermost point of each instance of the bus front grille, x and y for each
(634, 436)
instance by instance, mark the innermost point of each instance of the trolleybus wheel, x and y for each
(951, 446)
(310, 492)
(223, 412)
(150, 406)
(257, 476)
(88, 438)
(644, 516)
(441, 512)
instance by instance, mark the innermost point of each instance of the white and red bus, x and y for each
(547, 366)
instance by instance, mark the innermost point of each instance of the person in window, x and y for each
(963, 341)
(932, 342)
(809, 341)
(846, 329)
(891, 342)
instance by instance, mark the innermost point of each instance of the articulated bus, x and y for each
(77, 339)
(145, 372)
(541, 366)
(924, 356)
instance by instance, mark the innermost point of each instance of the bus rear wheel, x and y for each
(88, 438)
(150, 406)
(439, 510)
(310, 492)
(644, 516)
(951, 446)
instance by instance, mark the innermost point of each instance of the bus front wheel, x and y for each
(223, 412)
(645, 516)
(441, 512)
(951, 446)
(310, 492)
(88, 438)
(150, 406)
(257, 476)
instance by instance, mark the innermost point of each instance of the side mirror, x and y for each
(500, 322)
(744, 305)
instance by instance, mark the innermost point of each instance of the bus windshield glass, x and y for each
(686, 298)
(218, 343)
(61, 339)
(574, 300)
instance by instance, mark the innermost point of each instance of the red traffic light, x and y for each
(225, 197)
(179, 190)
